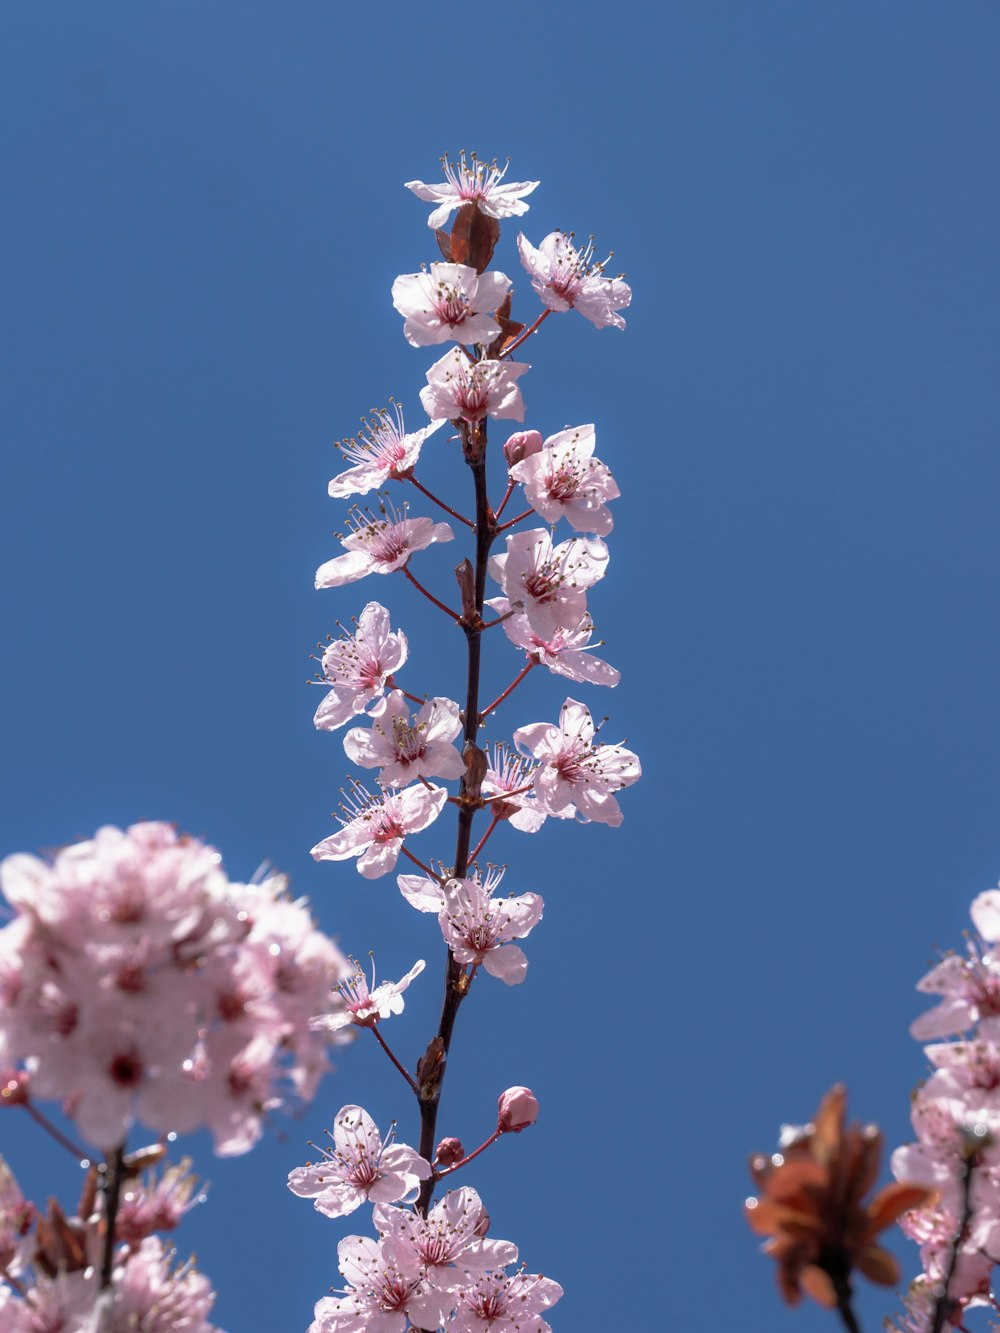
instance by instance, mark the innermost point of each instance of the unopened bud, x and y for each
(518, 1108)
(13, 1087)
(521, 445)
(449, 1151)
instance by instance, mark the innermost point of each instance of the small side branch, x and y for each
(508, 691)
(402, 1069)
(430, 596)
(440, 503)
(527, 333)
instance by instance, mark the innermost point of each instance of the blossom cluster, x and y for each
(53, 1266)
(138, 983)
(956, 1117)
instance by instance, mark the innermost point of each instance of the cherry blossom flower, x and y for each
(379, 545)
(549, 583)
(376, 826)
(564, 480)
(477, 182)
(359, 1166)
(479, 928)
(452, 301)
(382, 450)
(381, 1298)
(458, 388)
(405, 748)
(364, 1006)
(507, 776)
(357, 668)
(563, 652)
(446, 1244)
(497, 1302)
(567, 278)
(152, 1204)
(575, 769)
(426, 895)
(17, 1218)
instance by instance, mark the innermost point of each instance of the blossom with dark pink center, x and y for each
(460, 389)
(574, 768)
(375, 826)
(381, 1298)
(359, 1166)
(499, 1302)
(379, 544)
(447, 1243)
(564, 480)
(549, 583)
(381, 451)
(472, 181)
(570, 279)
(356, 668)
(405, 747)
(452, 301)
(479, 928)
(364, 1005)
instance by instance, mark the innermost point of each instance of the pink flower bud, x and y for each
(521, 445)
(518, 1108)
(449, 1151)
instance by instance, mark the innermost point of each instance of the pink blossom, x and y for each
(507, 777)
(479, 928)
(379, 545)
(359, 1166)
(426, 895)
(500, 1303)
(458, 388)
(404, 747)
(152, 1204)
(376, 826)
(549, 583)
(567, 278)
(357, 667)
(381, 451)
(564, 480)
(517, 1108)
(381, 1298)
(17, 1219)
(473, 181)
(364, 1006)
(452, 301)
(573, 768)
(563, 651)
(447, 1243)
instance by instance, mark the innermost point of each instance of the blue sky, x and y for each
(203, 215)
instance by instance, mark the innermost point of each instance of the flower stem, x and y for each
(526, 513)
(468, 1158)
(430, 596)
(417, 862)
(440, 503)
(509, 690)
(383, 1043)
(523, 337)
(507, 494)
(42, 1120)
(482, 841)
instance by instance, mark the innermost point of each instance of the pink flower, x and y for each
(507, 777)
(380, 1297)
(479, 928)
(376, 826)
(563, 651)
(458, 388)
(379, 545)
(405, 749)
(549, 583)
(359, 1166)
(381, 451)
(363, 1006)
(452, 301)
(567, 278)
(575, 769)
(447, 1243)
(357, 667)
(473, 181)
(498, 1303)
(517, 1108)
(522, 444)
(564, 480)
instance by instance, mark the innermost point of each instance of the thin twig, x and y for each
(430, 596)
(523, 337)
(402, 1069)
(42, 1120)
(440, 503)
(526, 513)
(509, 690)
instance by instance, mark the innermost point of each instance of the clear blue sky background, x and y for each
(202, 215)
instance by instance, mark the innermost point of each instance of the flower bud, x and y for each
(448, 1152)
(518, 1108)
(521, 445)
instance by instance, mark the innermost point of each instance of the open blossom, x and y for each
(357, 667)
(458, 388)
(380, 1297)
(375, 826)
(479, 928)
(507, 776)
(564, 480)
(567, 278)
(363, 1005)
(406, 747)
(452, 301)
(549, 583)
(477, 182)
(969, 986)
(381, 451)
(359, 1166)
(563, 650)
(446, 1244)
(379, 545)
(499, 1302)
(573, 768)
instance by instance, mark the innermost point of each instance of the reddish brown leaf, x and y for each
(509, 328)
(444, 245)
(878, 1266)
(895, 1200)
(473, 237)
(818, 1284)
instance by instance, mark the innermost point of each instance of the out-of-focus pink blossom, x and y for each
(567, 278)
(564, 480)
(381, 451)
(452, 301)
(380, 545)
(573, 768)
(357, 667)
(460, 389)
(473, 181)
(359, 1166)
(517, 1108)
(404, 748)
(375, 826)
